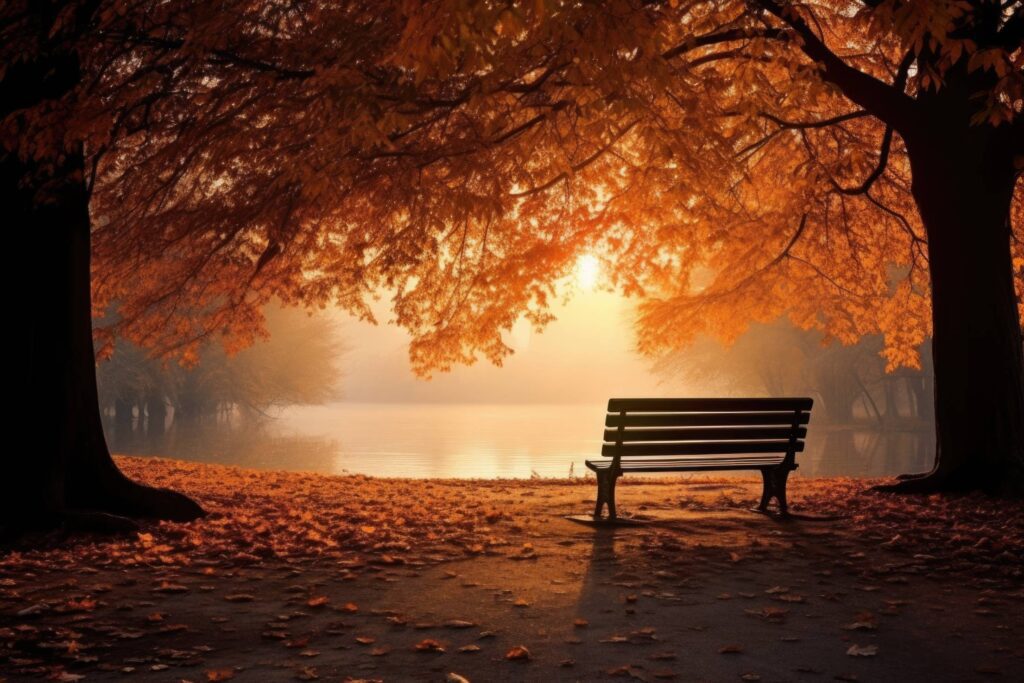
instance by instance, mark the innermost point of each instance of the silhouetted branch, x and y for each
(883, 160)
(797, 125)
(881, 99)
(575, 168)
(728, 36)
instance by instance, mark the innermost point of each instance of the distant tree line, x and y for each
(849, 383)
(296, 365)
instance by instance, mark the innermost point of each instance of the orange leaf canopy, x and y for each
(459, 158)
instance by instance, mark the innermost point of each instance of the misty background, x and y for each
(332, 394)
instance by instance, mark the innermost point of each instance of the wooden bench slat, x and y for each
(710, 466)
(705, 434)
(700, 448)
(682, 405)
(704, 419)
(689, 460)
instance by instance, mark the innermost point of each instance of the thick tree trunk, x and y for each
(963, 184)
(66, 474)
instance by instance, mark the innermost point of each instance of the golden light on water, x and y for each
(587, 272)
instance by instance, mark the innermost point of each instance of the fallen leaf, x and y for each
(519, 652)
(862, 650)
(769, 612)
(663, 656)
(861, 626)
(459, 623)
(168, 587)
(429, 645)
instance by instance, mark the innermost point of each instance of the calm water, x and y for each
(471, 440)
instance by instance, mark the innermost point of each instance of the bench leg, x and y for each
(602, 496)
(767, 490)
(774, 480)
(612, 478)
(780, 489)
(606, 492)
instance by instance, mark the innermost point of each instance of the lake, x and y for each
(473, 440)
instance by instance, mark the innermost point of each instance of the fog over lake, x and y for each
(540, 414)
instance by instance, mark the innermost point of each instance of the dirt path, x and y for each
(703, 591)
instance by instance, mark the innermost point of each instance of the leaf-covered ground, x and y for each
(303, 577)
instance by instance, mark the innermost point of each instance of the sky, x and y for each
(586, 355)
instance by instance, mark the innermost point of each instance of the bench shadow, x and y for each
(637, 563)
(597, 592)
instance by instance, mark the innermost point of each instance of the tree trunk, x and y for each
(68, 474)
(122, 416)
(963, 181)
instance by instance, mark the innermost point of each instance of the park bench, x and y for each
(702, 434)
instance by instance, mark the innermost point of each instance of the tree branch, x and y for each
(883, 154)
(824, 123)
(728, 36)
(883, 160)
(781, 256)
(783, 124)
(883, 101)
(576, 167)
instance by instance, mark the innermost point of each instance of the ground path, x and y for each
(704, 590)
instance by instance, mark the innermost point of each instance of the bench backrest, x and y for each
(705, 426)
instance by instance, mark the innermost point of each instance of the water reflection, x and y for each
(846, 452)
(469, 440)
(230, 442)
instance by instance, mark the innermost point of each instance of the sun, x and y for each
(587, 272)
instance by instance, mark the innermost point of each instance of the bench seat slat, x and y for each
(702, 464)
(691, 459)
(682, 405)
(729, 419)
(705, 434)
(700, 448)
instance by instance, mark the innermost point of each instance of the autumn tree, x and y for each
(850, 164)
(78, 79)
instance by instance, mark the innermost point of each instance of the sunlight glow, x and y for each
(588, 271)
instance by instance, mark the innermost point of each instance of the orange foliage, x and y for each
(460, 157)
